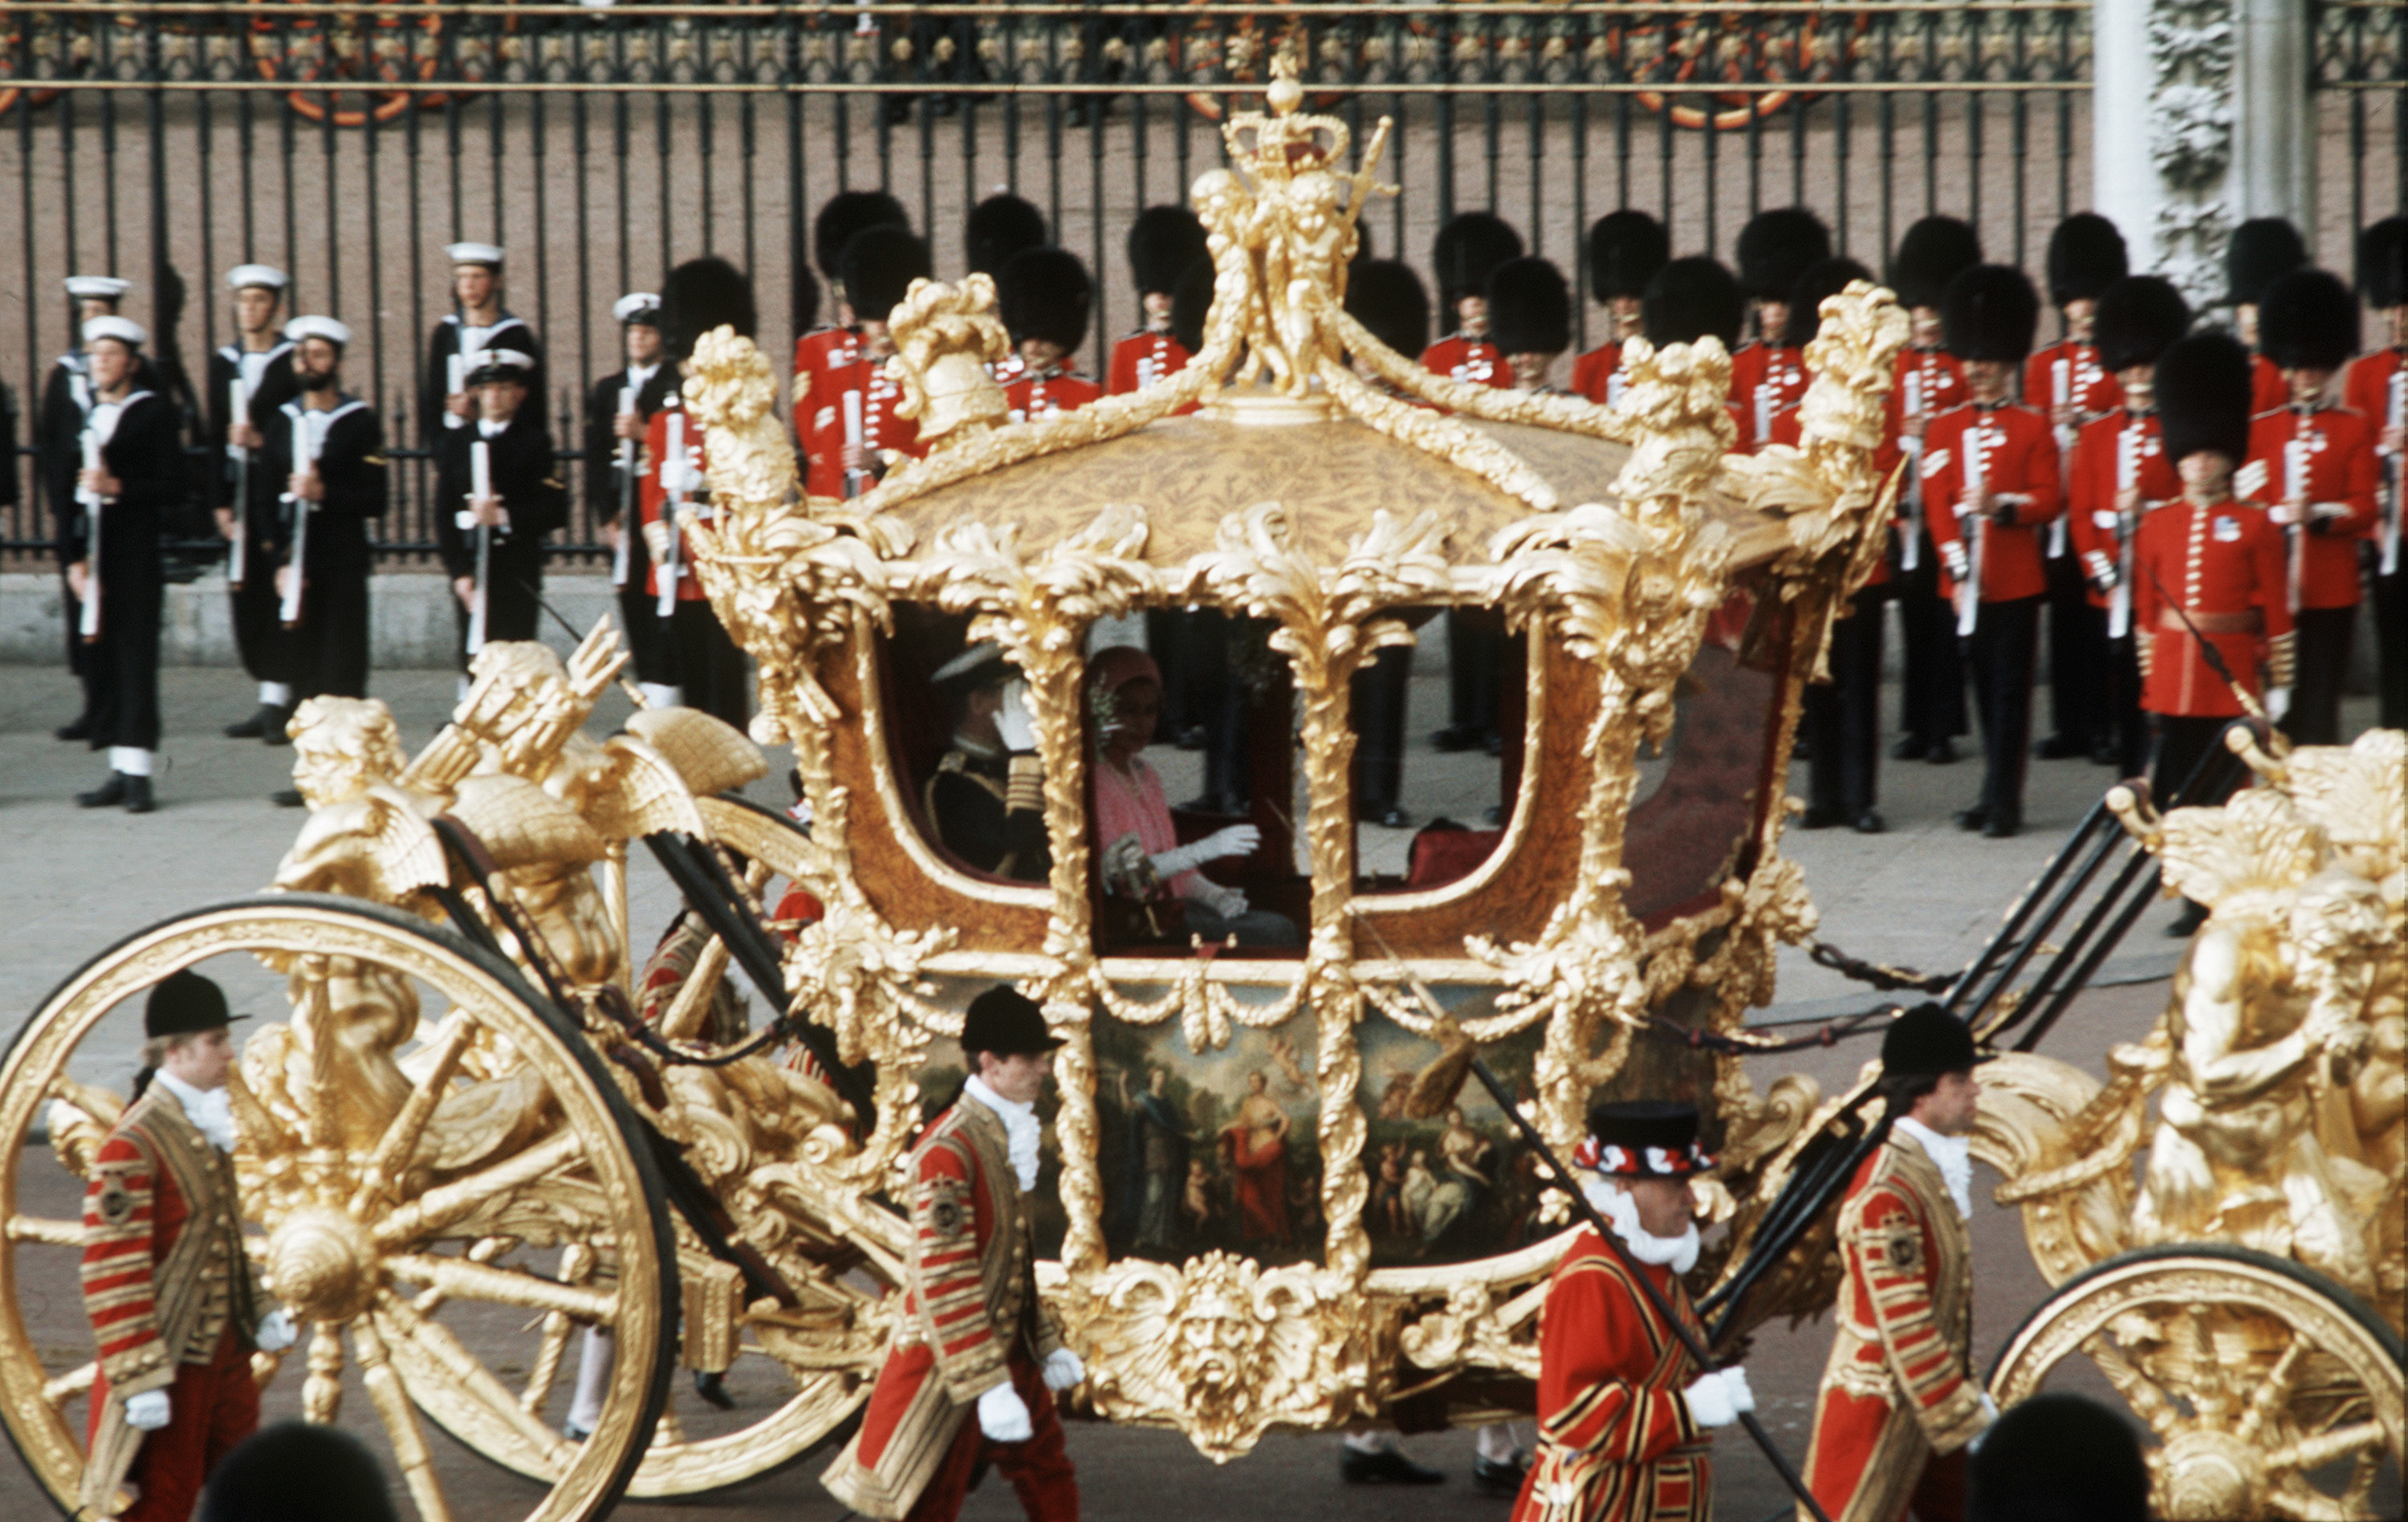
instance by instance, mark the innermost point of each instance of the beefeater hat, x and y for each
(1691, 298)
(1643, 1139)
(703, 295)
(879, 265)
(2307, 321)
(2261, 251)
(2085, 256)
(1471, 245)
(1529, 308)
(2382, 263)
(1934, 252)
(1626, 248)
(1990, 312)
(2204, 385)
(1387, 297)
(1001, 228)
(845, 213)
(1162, 243)
(1822, 279)
(1774, 249)
(1045, 294)
(2139, 317)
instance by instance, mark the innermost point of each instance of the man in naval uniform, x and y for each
(174, 1306)
(477, 325)
(1899, 1400)
(525, 500)
(976, 1358)
(259, 363)
(58, 434)
(617, 410)
(986, 801)
(1626, 248)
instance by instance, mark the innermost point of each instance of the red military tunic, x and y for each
(817, 352)
(1141, 358)
(881, 431)
(653, 497)
(1929, 381)
(1616, 1440)
(2018, 457)
(1765, 378)
(2094, 480)
(2339, 451)
(1596, 374)
(2089, 389)
(1788, 429)
(1463, 358)
(2268, 390)
(1049, 393)
(2366, 387)
(2225, 564)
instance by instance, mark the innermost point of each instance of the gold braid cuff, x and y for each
(2282, 660)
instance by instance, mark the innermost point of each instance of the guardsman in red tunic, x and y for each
(2377, 390)
(1044, 295)
(2208, 567)
(1466, 249)
(173, 1303)
(1626, 248)
(1774, 249)
(2312, 464)
(838, 345)
(1992, 480)
(1163, 243)
(1899, 1400)
(854, 429)
(2260, 251)
(1625, 1412)
(976, 1358)
(2120, 473)
(1001, 229)
(1694, 297)
(2065, 381)
(1931, 708)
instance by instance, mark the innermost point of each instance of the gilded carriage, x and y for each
(488, 1162)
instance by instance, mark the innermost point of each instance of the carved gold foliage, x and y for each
(947, 341)
(1471, 1329)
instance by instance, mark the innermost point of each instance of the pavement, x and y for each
(1923, 895)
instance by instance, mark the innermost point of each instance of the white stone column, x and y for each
(2273, 129)
(2124, 186)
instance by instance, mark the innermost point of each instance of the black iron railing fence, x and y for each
(168, 142)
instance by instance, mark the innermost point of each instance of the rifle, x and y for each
(480, 485)
(2127, 475)
(88, 625)
(1968, 591)
(671, 466)
(2294, 492)
(2062, 379)
(305, 443)
(1910, 550)
(238, 411)
(2396, 415)
(852, 476)
(627, 525)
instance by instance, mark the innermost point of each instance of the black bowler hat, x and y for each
(1928, 1041)
(1643, 1139)
(1008, 1023)
(183, 1003)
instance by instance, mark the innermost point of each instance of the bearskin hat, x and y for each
(2139, 317)
(2085, 256)
(2262, 250)
(848, 212)
(702, 295)
(880, 265)
(1934, 252)
(1045, 294)
(2203, 393)
(298, 1471)
(2307, 321)
(1990, 312)
(1774, 249)
(1387, 297)
(1466, 249)
(1690, 299)
(2059, 1458)
(807, 297)
(1823, 278)
(1001, 227)
(1162, 243)
(1626, 248)
(2382, 263)
(1191, 303)
(1529, 308)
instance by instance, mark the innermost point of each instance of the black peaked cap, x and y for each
(1008, 1023)
(183, 1003)
(1928, 1041)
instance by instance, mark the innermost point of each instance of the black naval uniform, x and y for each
(258, 633)
(327, 650)
(606, 487)
(120, 666)
(454, 336)
(58, 455)
(969, 804)
(525, 477)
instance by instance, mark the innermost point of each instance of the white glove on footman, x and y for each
(1003, 1415)
(1063, 1370)
(276, 1333)
(2278, 703)
(1716, 1399)
(147, 1411)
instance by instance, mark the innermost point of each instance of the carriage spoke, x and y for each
(438, 1207)
(556, 1326)
(2138, 1389)
(58, 1392)
(459, 1278)
(321, 1393)
(400, 1422)
(2272, 1392)
(2323, 1447)
(399, 1143)
(399, 1318)
(42, 1228)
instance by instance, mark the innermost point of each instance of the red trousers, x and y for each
(1940, 1494)
(211, 1408)
(1039, 1469)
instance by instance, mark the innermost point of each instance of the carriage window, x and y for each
(1437, 749)
(961, 747)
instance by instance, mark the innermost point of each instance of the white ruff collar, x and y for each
(1622, 1212)
(1021, 1128)
(1952, 1155)
(210, 1111)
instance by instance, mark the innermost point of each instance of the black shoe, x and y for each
(2061, 747)
(1910, 748)
(713, 1392)
(1870, 822)
(1976, 817)
(1491, 1478)
(1493, 742)
(1492, 816)
(1942, 753)
(2187, 923)
(80, 730)
(2003, 826)
(1386, 815)
(2104, 754)
(1819, 816)
(252, 727)
(109, 794)
(575, 1433)
(137, 795)
(1458, 736)
(272, 721)
(288, 798)
(1385, 1467)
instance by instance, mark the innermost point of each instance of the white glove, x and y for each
(2278, 703)
(1953, 554)
(1003, 1415)
(1235, 840)
(1742, 1399)
(276, 1333)
(1063, 1370)
(1709, 1401)
(1226, 902)
(147, 1411)
(1012, 720)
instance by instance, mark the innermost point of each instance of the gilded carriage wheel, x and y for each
(516, 1210)
(2271, 1391)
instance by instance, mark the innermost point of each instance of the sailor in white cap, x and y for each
(498, 493)
(478, 323)
(129, 472)
(249, 380)
(617, 410)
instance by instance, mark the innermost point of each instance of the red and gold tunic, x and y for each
(881, 431)
(1898, 1388)
(970, 1313)
(1617, 1441)
(653, 498)
(2019, 458)
(2089, 389)
(2224, 563)
(2094, 480)
(1141, 358)
(1461, 357)
(1766, 379)
(2337, 447)
(1049, 393)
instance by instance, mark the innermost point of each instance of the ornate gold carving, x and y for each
(946, 342)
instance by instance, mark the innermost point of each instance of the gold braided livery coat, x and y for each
(969, 1307)
(1896, 1390)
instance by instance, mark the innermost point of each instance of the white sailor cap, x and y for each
(97, 287)
(124, 329)
(265, 276)
(637, 306)
(319, 327)
(496, 364)
(488, 254)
